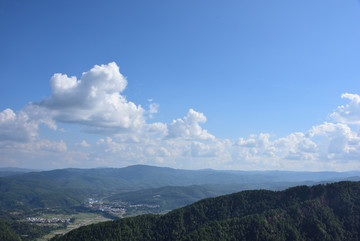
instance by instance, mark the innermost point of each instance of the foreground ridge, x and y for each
(322, 212)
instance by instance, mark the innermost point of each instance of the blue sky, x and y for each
(247, 85)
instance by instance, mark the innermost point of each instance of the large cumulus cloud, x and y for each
(349, 113)
(329, 145)
(23, 126)
(17, 127)
(94, 100)
(189, 127)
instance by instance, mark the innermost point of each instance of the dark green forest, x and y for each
(321, 212)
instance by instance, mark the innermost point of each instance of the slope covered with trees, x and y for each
(66, 188)
(7, 233)
(322, 212)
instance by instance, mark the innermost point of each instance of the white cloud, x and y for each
(255, 150)
(326, 146)
(36, 146)
(94, 101)
(217, 148)
(339, 141)
(201, 149)
(169, 152)
(296, 146)
(112, 146)
(350, 113)
(153, 109)
(83, 144)
(17, 126)
(53, 146)
(251, 142)
(38, 154)
(189, 128)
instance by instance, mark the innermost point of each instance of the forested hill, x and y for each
(66, 188)
(322, 212)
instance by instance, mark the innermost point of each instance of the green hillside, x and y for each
(70, 187)
(7, 233)
(172, 197)
(322, 212)
(128, 191)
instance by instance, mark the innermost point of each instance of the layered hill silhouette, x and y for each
(30, 193)
(70, 187)
(321, 212)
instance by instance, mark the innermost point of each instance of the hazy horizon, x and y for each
(202, 169)
(235, 85)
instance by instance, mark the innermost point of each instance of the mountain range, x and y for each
(25, 193)
(69, 187)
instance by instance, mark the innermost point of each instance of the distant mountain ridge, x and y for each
(69, 187)
(139, 173)
(12, 171)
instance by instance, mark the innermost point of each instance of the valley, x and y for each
(40, 205)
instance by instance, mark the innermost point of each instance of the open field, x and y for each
(81, 219)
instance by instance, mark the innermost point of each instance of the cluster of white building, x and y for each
(144, 205)
(114, 210)
(47, 220)
(93, 201)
